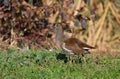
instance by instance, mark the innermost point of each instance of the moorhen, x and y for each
(70, 46)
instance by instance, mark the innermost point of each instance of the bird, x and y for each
(74, 46)
(71, 45)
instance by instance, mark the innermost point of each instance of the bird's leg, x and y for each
(69, 59)
(83, 55)
(73, 59)
(79, 59)
(84, 58)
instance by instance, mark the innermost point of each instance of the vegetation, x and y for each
(44, 65)
(31, 22)
(27, 25)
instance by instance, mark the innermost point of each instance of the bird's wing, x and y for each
(84, 45)
(74, 48)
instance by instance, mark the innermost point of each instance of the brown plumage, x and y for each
(75, 46)
(71, 46)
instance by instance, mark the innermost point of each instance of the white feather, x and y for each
(86, 48)
(70, 51)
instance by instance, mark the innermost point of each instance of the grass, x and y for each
(44, 65)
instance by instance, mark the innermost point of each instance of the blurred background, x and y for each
(30, 23)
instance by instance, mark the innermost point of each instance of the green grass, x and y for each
(44, 65)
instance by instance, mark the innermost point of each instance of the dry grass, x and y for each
(101, 30)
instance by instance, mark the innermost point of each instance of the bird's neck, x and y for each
(59, 36)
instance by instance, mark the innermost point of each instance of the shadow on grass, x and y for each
(61, 56)
(64, 58)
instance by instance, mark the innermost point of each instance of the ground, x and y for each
(45, 65)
